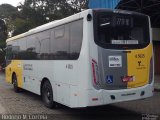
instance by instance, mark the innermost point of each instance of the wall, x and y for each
(156, 34)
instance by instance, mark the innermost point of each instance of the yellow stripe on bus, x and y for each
(138, 66)
(16, 67)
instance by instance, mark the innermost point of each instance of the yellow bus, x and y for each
(95, 57)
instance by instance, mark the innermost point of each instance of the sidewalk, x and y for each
(157, 82)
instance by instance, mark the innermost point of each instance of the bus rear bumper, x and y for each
(102, 97)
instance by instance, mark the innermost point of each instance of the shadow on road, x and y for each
(102, 112)
(107, 112)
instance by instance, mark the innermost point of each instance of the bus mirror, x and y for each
(89, 17)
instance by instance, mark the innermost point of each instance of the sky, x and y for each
(12, 2)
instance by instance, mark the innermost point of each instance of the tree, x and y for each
(3, 37)
(21, 26)
(42, 11)
(8, 13)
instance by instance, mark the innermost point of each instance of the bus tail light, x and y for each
(151, 71)
(95, 72)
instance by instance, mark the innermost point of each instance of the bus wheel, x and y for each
(47, 95)
(15, 84)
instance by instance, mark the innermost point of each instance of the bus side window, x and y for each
(15, 50)
(76, 35)
(22, 49)
(8, 54)
(44, 49)
(60, 43)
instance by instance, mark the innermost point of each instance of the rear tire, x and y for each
(47, 95)
(15, 84)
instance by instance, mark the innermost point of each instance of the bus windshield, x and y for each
(123, 31)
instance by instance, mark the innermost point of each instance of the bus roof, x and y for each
(49, 25)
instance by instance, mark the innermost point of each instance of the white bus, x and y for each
(92, 58)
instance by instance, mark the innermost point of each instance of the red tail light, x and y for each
(95, 72)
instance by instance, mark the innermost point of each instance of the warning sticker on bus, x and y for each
(115, 61)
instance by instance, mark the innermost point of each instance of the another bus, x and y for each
(95, 57)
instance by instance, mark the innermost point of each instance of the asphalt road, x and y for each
(26, 103)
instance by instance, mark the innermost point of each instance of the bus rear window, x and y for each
(121, 30)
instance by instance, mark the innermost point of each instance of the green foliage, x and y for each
(3, 37)
(8, 12)
(43, 11)
(21, 26)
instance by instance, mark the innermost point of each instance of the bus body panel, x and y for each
(15, 66)
(83, 65)
(59, 80)
(98, 96)
(139, 65)
(8, 73)
(104, 97)
(112, 66)
(134, 64)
